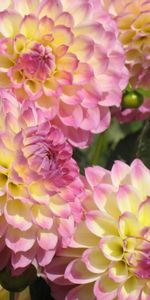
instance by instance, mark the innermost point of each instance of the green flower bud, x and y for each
(132, 99)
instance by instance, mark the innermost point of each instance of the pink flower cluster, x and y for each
(132, 18)
(62, 74)
(109, 255)
(35, 166)
(67, 59)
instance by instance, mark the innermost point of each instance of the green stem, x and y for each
(144, 145)
(98, 149)
(11, 296)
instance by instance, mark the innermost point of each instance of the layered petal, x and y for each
(108, 257)
(62, 57)
(36, 171)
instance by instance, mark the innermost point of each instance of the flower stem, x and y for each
(11, 296)
(98, 149)
(143, 146)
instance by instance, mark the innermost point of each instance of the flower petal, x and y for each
(26, 7)
(65, 19)
(129, 225)
(140, 177)
(23, 259)
(62, 35)
(95, 175)
(95, 261)
(45, 25)
(119, 173)
(9, 23)
(144, 213)
(29, 26)
(127, 199)
(5, 63)
(19, 241)
(83, 47)
(83, 237)
(130, 290)
(112, 247)
(50, 8)
(18, 215)
(42, 216)
(47, 240)
(118, 271)
(44, 257)
(77, 272)
(100, 224)
(81, 12)
(32, 88)
(105, 288)
(68, 62)
(81, 292)
(59, 207)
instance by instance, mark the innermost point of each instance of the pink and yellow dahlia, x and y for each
(67, 58)
(133, 20)
(109, 257)
(35, 168)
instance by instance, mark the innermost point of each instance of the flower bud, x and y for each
(132, 99)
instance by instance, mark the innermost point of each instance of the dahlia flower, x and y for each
(134, 33)
(109, 257)
(67, 58)
(35, 168)
(133, 18)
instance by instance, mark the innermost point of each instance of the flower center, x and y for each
(38, 63)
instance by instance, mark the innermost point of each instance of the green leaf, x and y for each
(143, 147)
(125, 149)
(143, 92)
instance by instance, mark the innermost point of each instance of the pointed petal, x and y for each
(105, 288)
(101, 224)
(144, 213)
(19, 241)
(129, 225)
(95, 261)
(51, 9)
(62, 35)
(29, 26)
(140, 177)
(118, 271)
(26, 7)
(119, 173)
(47, 240)
(127, 199)
(130, 290)
(84, 237)
(18, 215)
(112, 247)
(42, 216)
(9, 23)
(77, 272)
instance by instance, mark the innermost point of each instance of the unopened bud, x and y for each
(132, 99)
